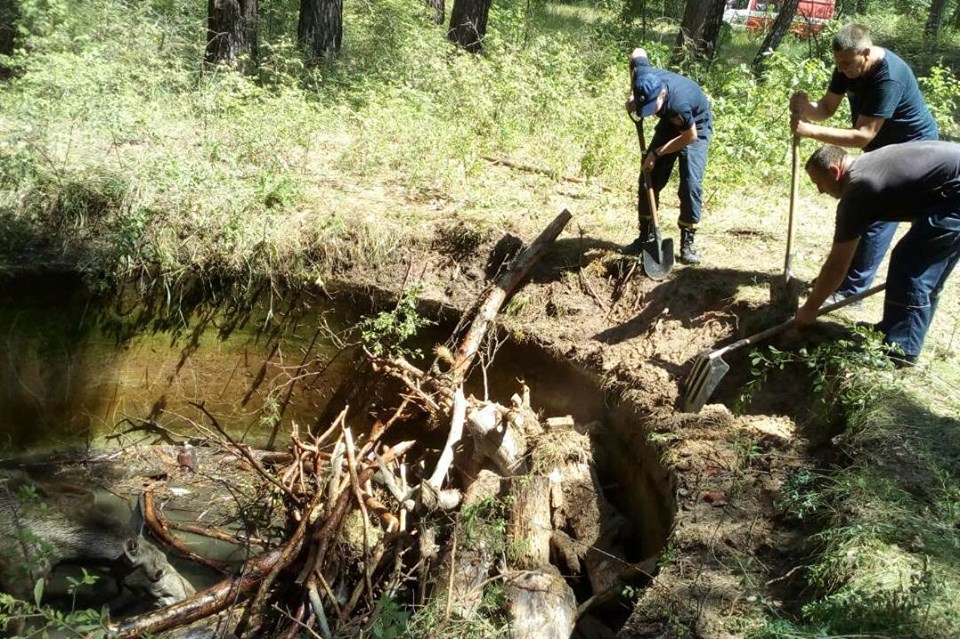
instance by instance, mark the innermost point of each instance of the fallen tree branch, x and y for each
(160, 530)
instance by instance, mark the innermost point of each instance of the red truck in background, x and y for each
(758, 15)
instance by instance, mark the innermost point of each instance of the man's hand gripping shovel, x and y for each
(657, 253)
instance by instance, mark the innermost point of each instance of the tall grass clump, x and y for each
(884, 521)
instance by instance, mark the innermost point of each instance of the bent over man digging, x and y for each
(886, 107)
(916, 182)
(683, 132)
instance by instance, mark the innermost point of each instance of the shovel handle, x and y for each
(794, 172)
(651, 198)
(779, 328)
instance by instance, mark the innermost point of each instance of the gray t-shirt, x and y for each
(898, 183)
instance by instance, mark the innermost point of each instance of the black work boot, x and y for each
(688, 254)
(646, 234)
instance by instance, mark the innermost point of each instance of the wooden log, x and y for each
(497, 439)
(541, 605)
(490, 302)
(464, 570)
(529, 528)
(453, 438)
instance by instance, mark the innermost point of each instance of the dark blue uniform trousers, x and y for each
(919, 266)
(866, 261)
(693, 164)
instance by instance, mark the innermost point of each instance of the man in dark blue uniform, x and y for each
(886, 108)
(683, 133)
(916, 182)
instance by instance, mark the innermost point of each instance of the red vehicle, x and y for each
(758, 15)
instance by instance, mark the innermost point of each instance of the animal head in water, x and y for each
(147, 572)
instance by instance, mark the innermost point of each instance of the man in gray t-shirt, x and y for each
(916, 182)
(886, 107)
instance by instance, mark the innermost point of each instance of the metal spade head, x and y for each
(708, 369)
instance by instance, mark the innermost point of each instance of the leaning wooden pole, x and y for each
(492, 299)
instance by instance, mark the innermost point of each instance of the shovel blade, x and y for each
(708, 369)
(658, 257)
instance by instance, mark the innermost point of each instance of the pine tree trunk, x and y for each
(468, 23)
(438, 10)
(320, 30)
(232, 32)
(935, 19)
(781, 25)
(699, 29)
(9, 14)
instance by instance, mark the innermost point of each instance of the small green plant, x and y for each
(385, 334)
(845, 375)
(800, 496)
(391, 621)
(485, 524)
(43, 619)
(748, 450)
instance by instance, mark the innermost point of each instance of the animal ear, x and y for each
(131, 549)
(137, 519)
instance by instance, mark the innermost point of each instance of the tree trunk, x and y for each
(699, 30)
(468, 23)
(9, 14)
(955, 18)
(781, 25)
(935, 19)
(438, 10)
(862, 6)
(232, 32)
(320, 30)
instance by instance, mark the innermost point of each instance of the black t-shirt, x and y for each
(898, 183)
(889, 92)
(685, 103)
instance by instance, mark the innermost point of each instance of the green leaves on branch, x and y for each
(386, 334)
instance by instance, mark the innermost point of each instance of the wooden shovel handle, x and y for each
(648, 187)
(779, 328)
(795, 171)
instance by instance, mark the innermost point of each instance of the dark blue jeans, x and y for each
(919, 266)
(873, 246)
(693, 164)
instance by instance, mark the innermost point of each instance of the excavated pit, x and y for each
(85, 371)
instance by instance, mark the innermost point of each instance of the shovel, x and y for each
(785, 291)
(709, 367)
(658, 252)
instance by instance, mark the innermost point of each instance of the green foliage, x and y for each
(485, 525)
(385, 334)
(941, 92)
(846, 375)
(801, 496)
(391, 620)
(44, 621)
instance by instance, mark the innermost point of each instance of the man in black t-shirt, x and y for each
(886, 107)
(683, 132)
(916, 182)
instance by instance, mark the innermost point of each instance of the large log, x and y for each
(542, 605)
(529, 529)
(492, 299)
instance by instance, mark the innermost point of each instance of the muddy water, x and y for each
(78, 369)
